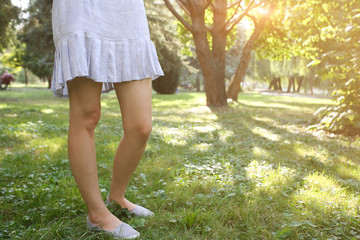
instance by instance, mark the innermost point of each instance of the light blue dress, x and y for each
(107, 41)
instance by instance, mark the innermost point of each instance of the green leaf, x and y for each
(310, 223)
(351, 117)
(295, 224)
(284, 233)
(137, 222)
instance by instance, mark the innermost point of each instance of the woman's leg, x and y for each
(135, 103)
(85, 110)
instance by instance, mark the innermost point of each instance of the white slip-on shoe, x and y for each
(123, 231)
(139, 211)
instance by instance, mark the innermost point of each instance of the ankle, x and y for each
(122, 201)
(118, 199)
(97, 217)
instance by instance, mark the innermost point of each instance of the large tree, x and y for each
(210, 22)
(8, 16)
(37, 35)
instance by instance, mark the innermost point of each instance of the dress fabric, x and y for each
(106, 41)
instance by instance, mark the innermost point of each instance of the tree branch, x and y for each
(232, 22)
(186, 24)
(208, 28)
(212, 7)
(209, 3)
(183, 6)
(234, 4)
(253, 18)
(327, 16)
(232, 17)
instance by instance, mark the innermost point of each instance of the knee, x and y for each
(93, 119)
(87, 120)
(140, 131)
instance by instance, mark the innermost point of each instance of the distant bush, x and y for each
(167, 84)
(171, 64)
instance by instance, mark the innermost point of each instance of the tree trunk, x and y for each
(276, 83)
(271, 84)
(291, 84)
(311, 85)
(198, 84)
(300, 81)
(279, 85)
(49, 82)
(215, 94)
(219, 38)
(26, 76)
(212, 61)
(234, 87)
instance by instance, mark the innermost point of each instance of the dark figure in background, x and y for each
(299, 80)
(276, 84)
(291, 84)
(6, 79)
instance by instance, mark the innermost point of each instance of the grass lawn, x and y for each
(252, 171)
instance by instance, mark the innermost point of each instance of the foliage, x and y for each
(326, 33)
(253, 171)
(163, 33)
(14, 56)
(37, 35)
(162, 30)
(168, 83)
(8, 18)
(290, 32)
(343, 68)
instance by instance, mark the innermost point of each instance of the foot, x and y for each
(106, 221)
(123, 230)
(139, 211)
(123, 202)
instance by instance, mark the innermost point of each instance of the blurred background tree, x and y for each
(325, 35)
(163, 33)
(211, 24)
(38, 39)
(9, 16)
(14, 58)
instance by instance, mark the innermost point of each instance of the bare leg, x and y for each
(85, 110)
(135, 103)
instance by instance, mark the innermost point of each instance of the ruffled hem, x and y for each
(103, 60)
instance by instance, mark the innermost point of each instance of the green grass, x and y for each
(252, 171)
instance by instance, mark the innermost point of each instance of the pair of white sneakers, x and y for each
(123, 231)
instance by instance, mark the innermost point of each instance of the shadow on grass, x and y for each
(287, 150)
(248, 172)
(282, 151)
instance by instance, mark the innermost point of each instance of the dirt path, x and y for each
(277, 93)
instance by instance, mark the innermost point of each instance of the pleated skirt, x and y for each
(106, 41)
